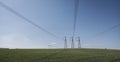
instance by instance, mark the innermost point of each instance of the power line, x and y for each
(75, 16)
(75, 20)
(26, 19)
(107, 30)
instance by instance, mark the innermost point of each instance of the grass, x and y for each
(59, 55)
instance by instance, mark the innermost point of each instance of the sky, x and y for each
(57, 17)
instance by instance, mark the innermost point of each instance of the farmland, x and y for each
(59, 55)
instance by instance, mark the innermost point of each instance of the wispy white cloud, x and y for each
(52, 45)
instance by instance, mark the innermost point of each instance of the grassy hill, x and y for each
(59, 55)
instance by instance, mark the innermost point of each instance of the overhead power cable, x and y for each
(75, 16)
(107, 30)
(26, 19)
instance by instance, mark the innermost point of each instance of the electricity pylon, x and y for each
(65, 44)
(79, 44)
(72, 44)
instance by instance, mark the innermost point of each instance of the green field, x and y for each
(59, 55)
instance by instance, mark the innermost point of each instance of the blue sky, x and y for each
(57, 16)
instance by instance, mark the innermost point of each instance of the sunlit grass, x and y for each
(59, 55)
